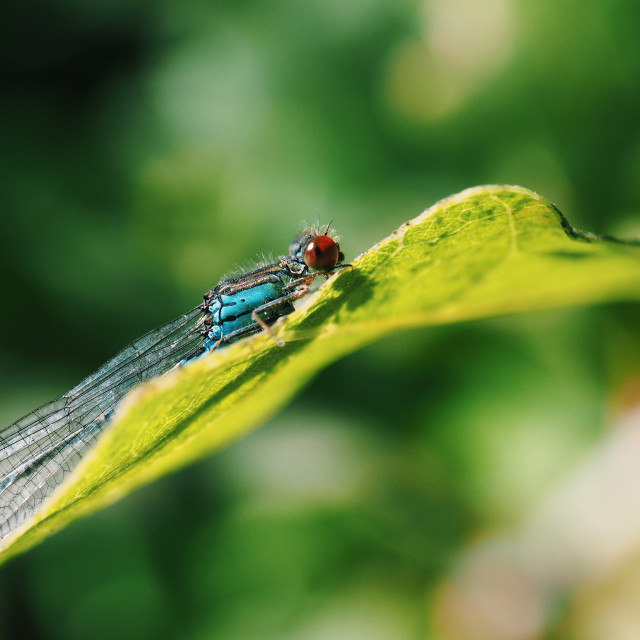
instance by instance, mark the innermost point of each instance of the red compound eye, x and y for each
(321, 253)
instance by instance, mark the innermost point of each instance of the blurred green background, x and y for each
(459, 482)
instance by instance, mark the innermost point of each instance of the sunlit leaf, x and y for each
(485, 252)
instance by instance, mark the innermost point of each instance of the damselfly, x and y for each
(41, 449)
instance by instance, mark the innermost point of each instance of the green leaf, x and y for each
(486, 251)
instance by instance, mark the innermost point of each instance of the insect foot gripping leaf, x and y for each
(484, 252)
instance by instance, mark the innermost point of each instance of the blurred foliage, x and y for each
(148, 147)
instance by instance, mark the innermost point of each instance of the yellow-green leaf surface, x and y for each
(486, 251)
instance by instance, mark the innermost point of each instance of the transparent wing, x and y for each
(38, 451)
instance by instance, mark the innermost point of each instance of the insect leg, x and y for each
(302, 288)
